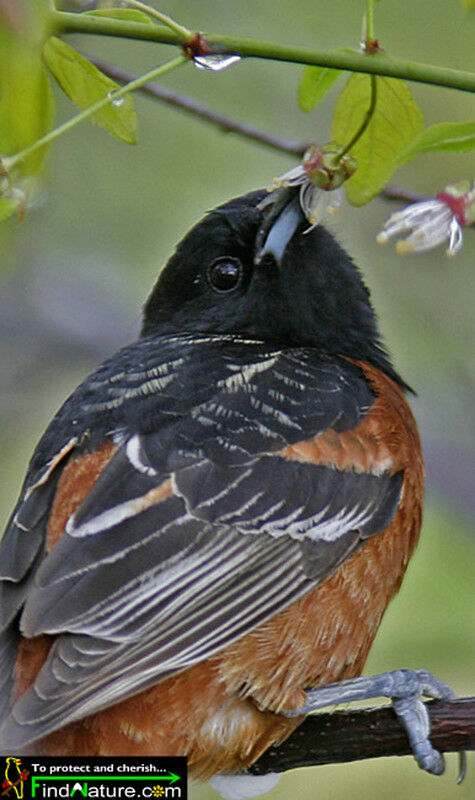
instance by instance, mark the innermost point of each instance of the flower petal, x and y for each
(293, 177)
(456, 238)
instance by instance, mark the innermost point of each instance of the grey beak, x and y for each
(278, 228)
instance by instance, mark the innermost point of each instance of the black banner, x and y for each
(64, 777)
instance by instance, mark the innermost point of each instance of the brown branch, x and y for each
(198, 109)
(344, 736)
(230, 125)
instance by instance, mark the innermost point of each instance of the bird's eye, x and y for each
(225, 274)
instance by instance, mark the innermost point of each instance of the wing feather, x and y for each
(197, 530)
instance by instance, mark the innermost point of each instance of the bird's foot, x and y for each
(405, 687)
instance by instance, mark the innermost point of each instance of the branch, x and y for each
(9, 162)
(377, 64)
(230, 125)
(344, 736)
(198, 109)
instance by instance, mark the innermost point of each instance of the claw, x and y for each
(414, 717)
(405, 688)
(462, 767)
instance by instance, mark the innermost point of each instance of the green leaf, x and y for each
(26, 108)
(44, 121)
(8, 206)
(127, 14)
(395, 123)
(26, 100)
(317, 81)
(85, 84)
(314, 84)
(457, 137)
(469, 5)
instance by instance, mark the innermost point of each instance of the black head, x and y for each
(250, 271)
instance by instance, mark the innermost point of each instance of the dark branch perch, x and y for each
(230, 125)
(344, 736)
(197, 109)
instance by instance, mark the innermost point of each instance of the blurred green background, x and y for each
(75, 273)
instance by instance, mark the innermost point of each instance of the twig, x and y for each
(7, 163)
(401, 195)
(230, 125)
(354, 735)
(377, 64)
(366, 119)
(198, 109)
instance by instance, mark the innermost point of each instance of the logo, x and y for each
(95, 778)
(15, 777)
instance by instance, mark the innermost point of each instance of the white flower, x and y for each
(433, 222)
(315, 202)
(320, 176)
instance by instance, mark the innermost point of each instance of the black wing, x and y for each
(198, 529)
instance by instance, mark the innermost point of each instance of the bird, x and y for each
(214, 522)
(14, 777)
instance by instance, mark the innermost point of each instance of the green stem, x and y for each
(378, 64)
(366, 119)
(8, 162)
(184, 33)
(369, 26)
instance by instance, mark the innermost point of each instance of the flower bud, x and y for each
(326, 168)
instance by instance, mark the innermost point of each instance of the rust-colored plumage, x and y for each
(221, 713)
(217, 518)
